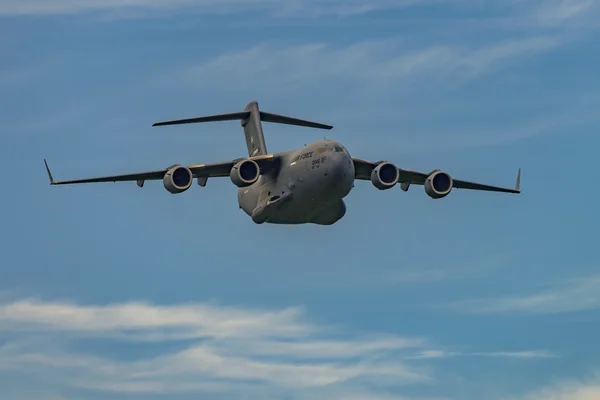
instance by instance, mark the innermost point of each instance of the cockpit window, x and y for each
(331, 148)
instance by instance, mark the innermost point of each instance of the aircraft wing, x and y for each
(364, 168)
(214, 170)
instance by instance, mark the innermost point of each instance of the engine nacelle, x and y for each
(385, 176)
(178, 179)
(438, 185)
(244, 173)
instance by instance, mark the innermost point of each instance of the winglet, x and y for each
(52, 181)
(518, 185)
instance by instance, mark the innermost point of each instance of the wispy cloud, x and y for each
(574, 295)
(232, 345)
(386, 62)
(538, 12)
(584, 389)
(558, 12)
(15, 74)
(428, 274)
(530, 354)
(378, 77)
(274, 7)
(203, 320)
(217, 348)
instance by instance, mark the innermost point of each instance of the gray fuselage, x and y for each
(309, 187)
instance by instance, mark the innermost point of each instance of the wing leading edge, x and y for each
(364, 168)
(214, 170)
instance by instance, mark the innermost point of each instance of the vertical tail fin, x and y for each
(251, 119)
(255, 139)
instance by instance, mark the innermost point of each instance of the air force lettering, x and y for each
(303, 156)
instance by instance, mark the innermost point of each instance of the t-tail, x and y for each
(250, 119)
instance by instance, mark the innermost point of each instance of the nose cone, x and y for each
(337, 167)
(341, 174)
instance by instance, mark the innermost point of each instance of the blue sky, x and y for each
(109, 291)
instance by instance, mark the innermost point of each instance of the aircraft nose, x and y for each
(338, 166)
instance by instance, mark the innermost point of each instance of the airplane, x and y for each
(299, 186)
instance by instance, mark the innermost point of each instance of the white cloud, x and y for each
(232, 346)
(413, 72)
(557, 12)
(575, 295)
(542, 12)
(516, 354)
(587, 389)
(530, 354)
(429, 274)
(329, 348)
(190, 321)
(384, 63)
(37, 7)
(275, 7)
(571, 393)
(201, 367)
(377, 78)
(232, 349)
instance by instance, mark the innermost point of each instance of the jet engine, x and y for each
(244, 173)
(438, 185)
(385, 176)
(178, 179)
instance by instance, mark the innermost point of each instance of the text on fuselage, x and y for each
(303, 156)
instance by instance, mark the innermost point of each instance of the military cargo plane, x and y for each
(304, 185)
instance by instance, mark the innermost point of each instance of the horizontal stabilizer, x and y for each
(281, 119)
(245, 115)
(210, 118)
